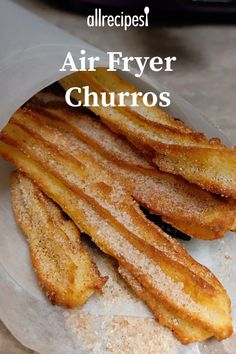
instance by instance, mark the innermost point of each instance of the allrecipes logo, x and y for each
(121, 20)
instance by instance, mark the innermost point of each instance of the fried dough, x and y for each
(102, 207)
(173, 147)
(185, 206)
(63, 266)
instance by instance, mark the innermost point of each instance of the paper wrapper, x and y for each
(32, 53)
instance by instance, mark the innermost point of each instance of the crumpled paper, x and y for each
(34, 50)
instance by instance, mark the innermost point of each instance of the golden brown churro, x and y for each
(174, 147)
(63, 266)
(102, 207)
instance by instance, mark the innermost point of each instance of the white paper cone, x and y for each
(32, 51)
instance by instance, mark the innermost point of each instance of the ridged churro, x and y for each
(63, 266)
(173, 147)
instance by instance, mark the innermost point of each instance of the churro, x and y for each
(63, 266)
(173, 147)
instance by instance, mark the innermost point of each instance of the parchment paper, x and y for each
(32, 51)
